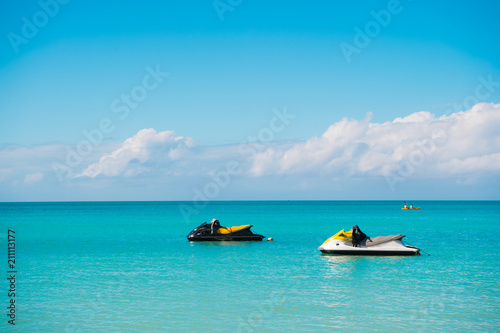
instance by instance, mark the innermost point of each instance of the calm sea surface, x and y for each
(127, 266)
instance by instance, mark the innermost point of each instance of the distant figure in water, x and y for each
(357, 236)
(406, 206)
(214, 225)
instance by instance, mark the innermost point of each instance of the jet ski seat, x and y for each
(369, 241)
(226, 230)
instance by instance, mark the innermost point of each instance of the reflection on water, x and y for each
(340, 264)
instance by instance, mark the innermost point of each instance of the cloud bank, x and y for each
(462, 147)
(141, 153)
(461, 144)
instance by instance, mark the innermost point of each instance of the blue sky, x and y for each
(229, 65)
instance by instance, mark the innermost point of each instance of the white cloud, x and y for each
(485, 164)
(27, 164)
(459, 144)
(33, 177)
(141, 153)
(462, 146)
(417, 117)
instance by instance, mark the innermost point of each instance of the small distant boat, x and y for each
(240, 233)
(341, 244)
(407, 208)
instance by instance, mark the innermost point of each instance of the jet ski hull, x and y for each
(217, 238)
(370, 252)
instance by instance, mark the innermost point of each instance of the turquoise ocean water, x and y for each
(127, 266)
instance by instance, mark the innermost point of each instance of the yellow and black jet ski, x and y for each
(237, 233)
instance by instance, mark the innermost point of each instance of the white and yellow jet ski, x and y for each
(341, 243)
